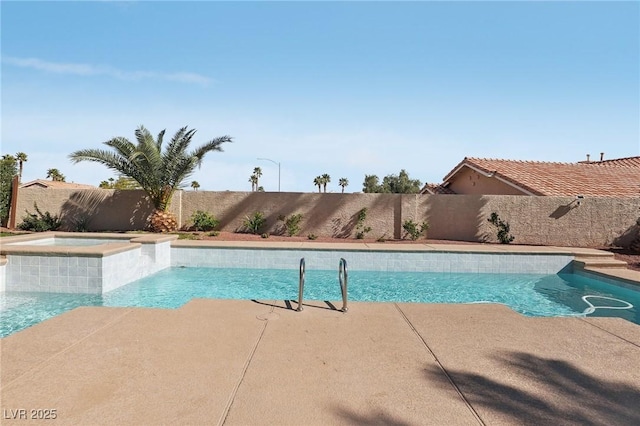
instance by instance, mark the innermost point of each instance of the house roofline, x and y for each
(494, 174)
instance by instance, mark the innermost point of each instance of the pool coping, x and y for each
(130, 242)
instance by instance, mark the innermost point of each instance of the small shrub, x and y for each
(213, 233)
(291, 223)
(203, 221)
(312, 236)
(81, 223)
(265, 235)
(40, 222)
(188, 236)
(414, 231)
(362, 230)
(503, 228)
(254, 223)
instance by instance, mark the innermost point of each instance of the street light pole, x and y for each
(274, 162)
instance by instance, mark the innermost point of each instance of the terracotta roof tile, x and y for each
(435, 188)
(610, 178)
(619, 162)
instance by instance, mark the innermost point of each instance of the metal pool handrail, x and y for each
(301, 285)
(343, 277)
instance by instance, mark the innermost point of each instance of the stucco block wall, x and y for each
(323, 214)
(103, 209)
(533, 220)
(536, 220)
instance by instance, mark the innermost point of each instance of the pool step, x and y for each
(602, 263)
(594, 255)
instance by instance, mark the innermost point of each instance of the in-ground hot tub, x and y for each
(65, 262)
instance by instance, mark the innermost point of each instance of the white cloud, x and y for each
(94, 70)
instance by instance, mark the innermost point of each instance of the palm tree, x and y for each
(195, 185)
(107, 184)
(254, 182)
(22, 158)
(55, 175)
(318, 182)
(257, 172)
(158, 173)
(343, 182)
(325, 180)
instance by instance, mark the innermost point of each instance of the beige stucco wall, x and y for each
(533, 220)
(536, 220)
(323, 214)
(469, 181)
(105, 209)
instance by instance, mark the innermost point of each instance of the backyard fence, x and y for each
(564, 221)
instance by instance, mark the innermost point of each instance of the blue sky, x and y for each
(344, 88)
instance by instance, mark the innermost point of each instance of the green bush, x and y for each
(292, 223)
(254, 223)
(40, 222)
(187, 236)
(312, 236)
(413, 230)
(502, 227)
(203, 221)
(362, 230)
(81, 223)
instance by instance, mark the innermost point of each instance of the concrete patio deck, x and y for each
(262, 363)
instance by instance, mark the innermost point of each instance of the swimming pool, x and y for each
(529, 294)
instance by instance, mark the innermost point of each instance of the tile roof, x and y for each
(620, 162)
(435, 188)
(55, 184)
(610, 178)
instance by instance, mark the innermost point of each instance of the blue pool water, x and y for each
(528, 294)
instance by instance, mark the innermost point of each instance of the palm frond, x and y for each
(160, 140)
(212, 145)
(122, 145)
(175, 151)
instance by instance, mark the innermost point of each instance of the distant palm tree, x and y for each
(325, 180)
(195, 185)
(254, 182)
(257, 172)
(159, 174)
(122, 183)
(107, 184)
(318, 182)
(22, 158)
(343, 182)
(55, 175)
